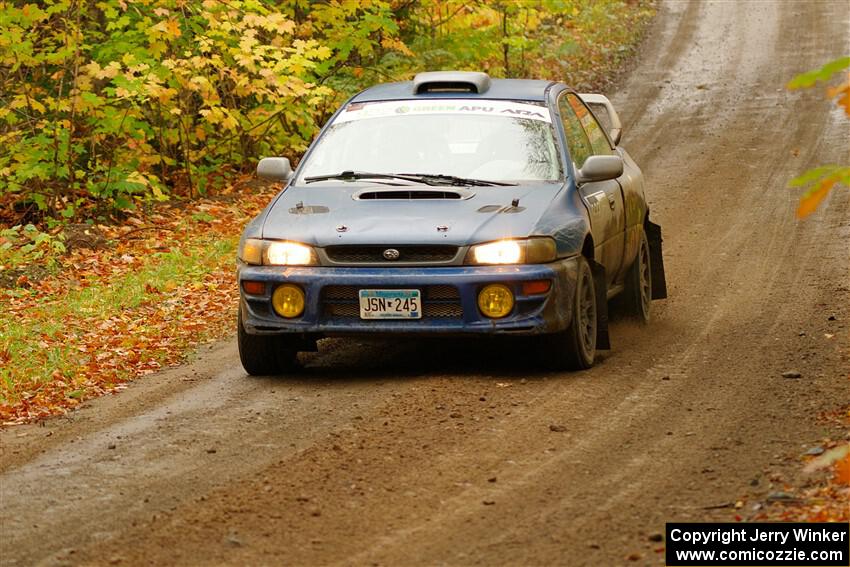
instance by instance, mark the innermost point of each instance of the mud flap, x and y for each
(656, 259)
(603, 341)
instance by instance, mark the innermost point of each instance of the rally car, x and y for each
(453, 204)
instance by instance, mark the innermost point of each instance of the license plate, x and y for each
(390, 304)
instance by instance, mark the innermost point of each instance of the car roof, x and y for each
(499, 89)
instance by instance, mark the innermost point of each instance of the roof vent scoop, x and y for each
(451, 82)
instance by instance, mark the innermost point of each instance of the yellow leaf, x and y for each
(212, 115)
(157, 48)
(37, 106)
(20, 101)
(137, 177)
(110, 71)
(812, 199)
(92, 69)
(157, 192)
(172, 28)
(388, 43)
(165, 95)
(229, 122)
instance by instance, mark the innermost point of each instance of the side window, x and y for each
(597, 138)
(579, 145)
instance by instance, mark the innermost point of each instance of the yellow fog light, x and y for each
(288, 301)
(495, 300)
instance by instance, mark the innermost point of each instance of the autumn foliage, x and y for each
(820, 180)
(114, 104)
(129, 130)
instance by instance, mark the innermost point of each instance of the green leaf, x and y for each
(808, 79)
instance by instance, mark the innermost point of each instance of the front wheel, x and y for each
(265, 355)
(575, 347)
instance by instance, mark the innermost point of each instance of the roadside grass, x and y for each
(56, 317)
(159, 287)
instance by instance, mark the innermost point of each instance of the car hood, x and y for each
(326, 214)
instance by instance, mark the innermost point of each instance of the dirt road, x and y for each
(401, 452)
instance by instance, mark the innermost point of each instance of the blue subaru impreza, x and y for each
(452, 204)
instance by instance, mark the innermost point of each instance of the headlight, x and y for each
(274, 253)
(288, 254)
(528, 251)
(501, 252)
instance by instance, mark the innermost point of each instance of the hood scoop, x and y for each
(412, 194)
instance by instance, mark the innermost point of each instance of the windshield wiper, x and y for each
(355, 175)
(426, 178)
(440, 179)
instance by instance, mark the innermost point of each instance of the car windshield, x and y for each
(499, 141)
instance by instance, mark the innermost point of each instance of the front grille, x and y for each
(442, 310)
(375, 254)
(436, 292)
(344, 293)
(438, 301)
(342, 310)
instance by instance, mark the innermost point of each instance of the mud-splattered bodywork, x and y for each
(331, 215)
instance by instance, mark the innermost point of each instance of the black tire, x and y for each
(637, 295)
(265, 355)
(575, 347)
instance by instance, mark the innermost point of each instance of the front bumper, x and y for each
(332, 310)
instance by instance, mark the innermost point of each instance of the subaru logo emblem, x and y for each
(391, 254)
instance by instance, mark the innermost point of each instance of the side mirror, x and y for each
(274, 168)
(600, 168)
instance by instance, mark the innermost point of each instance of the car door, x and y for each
(604, 199)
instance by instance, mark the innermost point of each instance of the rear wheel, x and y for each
(575, 347)
(637, 295)
(265, 355)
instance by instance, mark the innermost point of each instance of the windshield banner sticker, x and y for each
(362, 111)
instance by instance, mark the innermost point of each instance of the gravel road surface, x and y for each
(406, 452)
